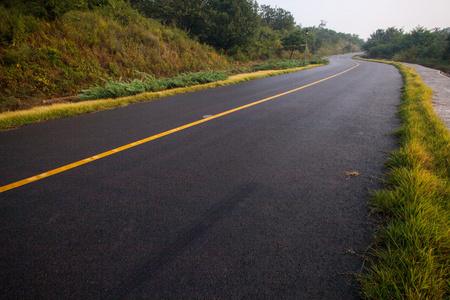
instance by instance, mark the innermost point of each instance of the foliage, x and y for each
(267, 45)
(121, 88)
(446, 55)
(252, 31)
(41, 59)
(223, 24)
(323, 41)
(52, 9)
(412, 251)
(430, 48)
(294, 41)
(276, 18)
(317, 42)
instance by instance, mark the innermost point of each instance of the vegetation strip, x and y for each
(411, 251)
(120, 88)
(10, 120)
(154, 137)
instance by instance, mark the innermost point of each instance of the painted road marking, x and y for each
(154, 137)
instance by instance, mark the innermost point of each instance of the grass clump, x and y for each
(412, 251)
(121, 88)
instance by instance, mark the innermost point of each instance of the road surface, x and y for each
(254, 203)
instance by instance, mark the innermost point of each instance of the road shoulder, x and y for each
(440, 84)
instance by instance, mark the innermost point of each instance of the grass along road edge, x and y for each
(410, 254)
(10, 120)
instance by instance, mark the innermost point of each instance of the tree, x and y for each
(294, 41)
(322, 24)
(232, 23)
(277, 18)
(223, 24)
(52, 9)
(384, 43)
(423, 46)
(446, 54)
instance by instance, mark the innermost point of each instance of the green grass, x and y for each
(9, 120)
(411, 251)
(120, 88)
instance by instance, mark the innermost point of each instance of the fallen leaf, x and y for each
(350, 174)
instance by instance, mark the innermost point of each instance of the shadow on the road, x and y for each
(184, 239)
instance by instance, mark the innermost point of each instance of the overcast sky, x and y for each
(364, 17)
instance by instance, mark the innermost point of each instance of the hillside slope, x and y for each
(43, 59)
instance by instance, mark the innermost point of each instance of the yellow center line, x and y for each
(151, 138)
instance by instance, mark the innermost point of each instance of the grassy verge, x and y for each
(13, 119)
(411, 252)
(120, 88)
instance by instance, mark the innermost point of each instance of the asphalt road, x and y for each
(252, 204)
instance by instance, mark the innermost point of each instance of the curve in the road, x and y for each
(154, 137)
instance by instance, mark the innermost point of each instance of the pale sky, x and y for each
(365, 17)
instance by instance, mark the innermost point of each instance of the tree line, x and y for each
(421, 45)
(241, 29)
(50, 10)
(244, 29)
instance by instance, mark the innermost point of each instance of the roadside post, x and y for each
(306, 46)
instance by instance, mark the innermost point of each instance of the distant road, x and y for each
(255, 202)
